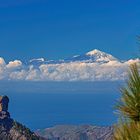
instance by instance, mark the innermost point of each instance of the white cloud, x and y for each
(2, 62)
(33, 74)
(14, 64)
(73, 71)
(17, 75)
(84, 71)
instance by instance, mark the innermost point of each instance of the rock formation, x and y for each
(4, 114)
(10, 129)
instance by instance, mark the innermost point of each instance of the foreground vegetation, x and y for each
(128, 108)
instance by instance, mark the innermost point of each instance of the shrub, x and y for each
(129, 108)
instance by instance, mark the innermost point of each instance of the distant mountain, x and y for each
(72, 132)
(93, 56)
(90, 57)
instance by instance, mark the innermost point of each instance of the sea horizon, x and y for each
(69, 106)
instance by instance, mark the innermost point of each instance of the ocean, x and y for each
(77, 103)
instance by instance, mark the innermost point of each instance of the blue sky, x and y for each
(62, 28)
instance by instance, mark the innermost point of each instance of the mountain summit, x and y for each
(94, 56)
(94, 52)
(101, 56)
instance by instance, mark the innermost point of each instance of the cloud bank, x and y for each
(71, 71)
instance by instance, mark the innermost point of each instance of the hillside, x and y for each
(72, 132)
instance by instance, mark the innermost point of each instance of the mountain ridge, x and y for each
(77, 132)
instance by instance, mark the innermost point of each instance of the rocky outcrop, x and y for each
(4, 100)
(10, 129)
(83, 132)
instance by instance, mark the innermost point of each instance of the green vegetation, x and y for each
(129, 108)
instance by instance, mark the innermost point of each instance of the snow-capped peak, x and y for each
(98, 55)
(95, 51)
(94, 56)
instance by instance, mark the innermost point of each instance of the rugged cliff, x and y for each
(10, 129)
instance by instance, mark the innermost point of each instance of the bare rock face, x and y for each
(10, 129)
(4, 100)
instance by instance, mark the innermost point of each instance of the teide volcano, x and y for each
(93, 56)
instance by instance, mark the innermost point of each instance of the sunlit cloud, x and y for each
(72, 71)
